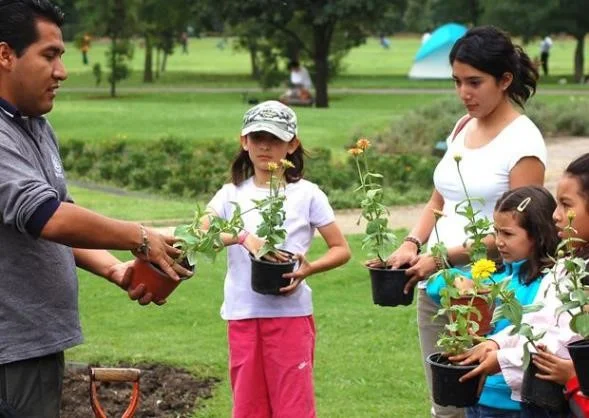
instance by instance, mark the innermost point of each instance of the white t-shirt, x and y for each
(301, 78)
(546, 44)
(307, 208)
(485, 171)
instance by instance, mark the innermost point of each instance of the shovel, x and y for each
(114, 375)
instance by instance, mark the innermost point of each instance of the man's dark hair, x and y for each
(293, 64)
(18, 21)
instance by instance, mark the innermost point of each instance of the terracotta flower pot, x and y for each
(158, 283)
(483, 307)
(267, 276)
(387, 287)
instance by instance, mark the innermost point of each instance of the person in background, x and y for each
(545, 46)
(300, 86)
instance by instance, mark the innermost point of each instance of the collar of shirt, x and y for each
(9, 109)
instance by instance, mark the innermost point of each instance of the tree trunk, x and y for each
(148, 67)
(164, 62)
(580, 59)
(254, 61)
(321, 41)
(157, 62)
(113, 63)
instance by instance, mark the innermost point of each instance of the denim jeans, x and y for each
(482, 411)
(533, 411)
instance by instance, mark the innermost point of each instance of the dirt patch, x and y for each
(164, 392)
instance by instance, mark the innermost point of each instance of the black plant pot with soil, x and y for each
(542, 393)
(579, 352)
(446, 389)
(388, 285)
(267, 276)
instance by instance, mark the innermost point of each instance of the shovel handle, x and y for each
(114, 375)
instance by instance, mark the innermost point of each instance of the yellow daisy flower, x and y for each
(483, 268)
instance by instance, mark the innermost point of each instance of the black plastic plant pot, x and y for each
(446, 389)
(387, 287)
(267, 276)
(542, 393)
(579, 352)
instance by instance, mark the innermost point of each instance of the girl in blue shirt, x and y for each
(524, 234)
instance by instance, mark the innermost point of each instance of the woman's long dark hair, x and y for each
(535, 217)
(242, 167)
(491, 51)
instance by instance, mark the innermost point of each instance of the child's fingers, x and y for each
(471, 374)
(544, 376)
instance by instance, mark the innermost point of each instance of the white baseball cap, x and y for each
(273, 117)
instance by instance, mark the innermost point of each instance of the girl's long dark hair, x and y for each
(491, 51)
(536, 218)
(242, 167)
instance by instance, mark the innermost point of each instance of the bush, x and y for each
(177, 168)
(419, 130)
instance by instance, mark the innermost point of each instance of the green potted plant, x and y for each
(267, 273)
(193, 239)
(543, 393)
(467, 300)
(573, 292)
(387, 283)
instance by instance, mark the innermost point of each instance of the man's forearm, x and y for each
(81, 228)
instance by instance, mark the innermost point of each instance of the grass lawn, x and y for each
(197, 117)
(132, 206)
(367, 358)
(367, 66)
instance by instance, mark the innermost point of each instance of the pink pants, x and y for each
(271, 367)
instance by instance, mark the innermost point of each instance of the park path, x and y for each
(333, 90)
(561, 151)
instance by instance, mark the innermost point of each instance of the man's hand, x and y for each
(121, 275)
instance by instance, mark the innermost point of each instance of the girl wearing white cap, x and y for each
(272, 337)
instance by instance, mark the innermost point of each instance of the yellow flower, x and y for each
(571, 215)
(457, 157)
(363, 143)
(355, 151)
(483, 268)
(272, 166)
(286, 164)
(438, 213)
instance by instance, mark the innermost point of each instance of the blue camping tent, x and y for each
(431, 61)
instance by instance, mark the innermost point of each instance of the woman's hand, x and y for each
(296, 277)
(552, 367)
(421, 268)
(405, 254)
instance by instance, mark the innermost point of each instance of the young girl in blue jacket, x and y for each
(524, 234)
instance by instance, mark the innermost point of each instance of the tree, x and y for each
(116, 19)
(529, 18)
(317, 29)
(423, 14)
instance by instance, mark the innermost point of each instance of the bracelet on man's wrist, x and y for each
(414, 240)
(144, 247)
